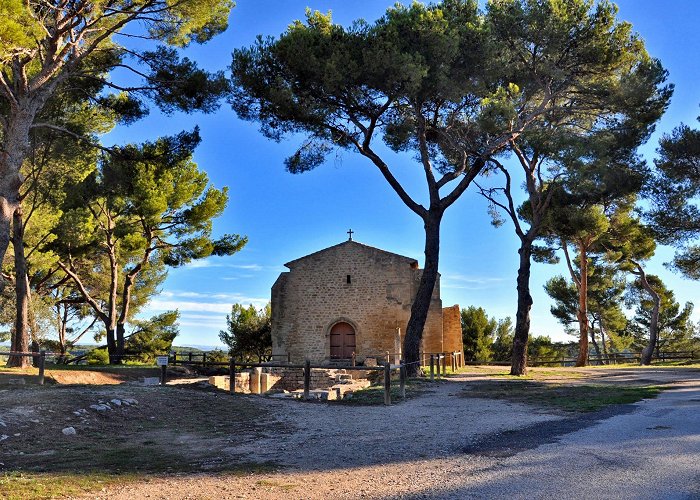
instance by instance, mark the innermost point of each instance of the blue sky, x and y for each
(287, 216)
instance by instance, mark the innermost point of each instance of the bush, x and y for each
(98, 357)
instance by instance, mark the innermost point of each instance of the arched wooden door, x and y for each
(342, 341)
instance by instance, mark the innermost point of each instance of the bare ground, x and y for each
(194, 443)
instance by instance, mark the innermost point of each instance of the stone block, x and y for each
(243, 382)
(219, 381)
(255, 376)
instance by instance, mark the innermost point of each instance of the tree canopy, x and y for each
(675, 191)
(146, 207)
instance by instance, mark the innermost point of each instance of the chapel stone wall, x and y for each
(315, 294)
(452, 330)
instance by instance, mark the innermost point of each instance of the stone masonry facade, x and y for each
(370, 289)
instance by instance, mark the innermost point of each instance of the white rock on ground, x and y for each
(101, 407)
(69, 431)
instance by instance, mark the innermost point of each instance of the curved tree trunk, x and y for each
(424, 294)
(648, 351)
(522, 316)
(20, 335)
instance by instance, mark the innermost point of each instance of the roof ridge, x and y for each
(351, 242)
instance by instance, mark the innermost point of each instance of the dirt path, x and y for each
(196, 443)
(350, 452)
(361, 452)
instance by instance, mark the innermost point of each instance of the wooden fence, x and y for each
(41, 355)
(307, 367)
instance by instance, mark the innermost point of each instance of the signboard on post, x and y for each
(161, 361)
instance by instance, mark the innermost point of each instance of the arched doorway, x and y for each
(342, 341)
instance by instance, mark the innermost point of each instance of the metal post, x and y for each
(307, 378)
(387, 384)
(163, 375)
(402, 379)
(432, 367)
(232, 375)
(42, 362)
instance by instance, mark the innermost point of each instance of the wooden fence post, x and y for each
(387, 384)
(444, 365)
(204, 360)
(42, 362)
(163, 375)
(307, 378)
(189, 355)
(432, 367)
(402, 379)
(232, 376)
(174, 358)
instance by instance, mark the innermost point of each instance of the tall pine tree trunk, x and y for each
(606, 356)
(112, 345)
(119, 352)
(595, 347)
(582, 313)
(424, 294)
(522, 316)
(20, 335)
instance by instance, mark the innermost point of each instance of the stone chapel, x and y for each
(353, 298)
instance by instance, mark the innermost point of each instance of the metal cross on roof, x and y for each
(350, 232)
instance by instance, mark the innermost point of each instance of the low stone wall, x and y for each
(262, 380)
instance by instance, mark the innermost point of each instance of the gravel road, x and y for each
(466, 448)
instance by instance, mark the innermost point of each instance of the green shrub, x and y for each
(98, 357)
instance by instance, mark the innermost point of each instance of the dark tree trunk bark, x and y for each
(20, 336)
(595, 347)
(424, 294)
(8, 205)
(603, 342)
(582, 313)
(112, 346)
(648, 351)
(522, 316)
(120, 343)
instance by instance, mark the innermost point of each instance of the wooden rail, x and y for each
(42, 361)
(307, 367)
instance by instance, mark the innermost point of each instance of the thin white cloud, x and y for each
(468, 282)
(231, 297)
(212, 306)
(212, 263)
(181, 305)
(476, 280)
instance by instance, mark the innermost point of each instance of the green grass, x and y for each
(42, 485)
(694, 363)
(374, 395)
(569, 398)
(21, 485)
